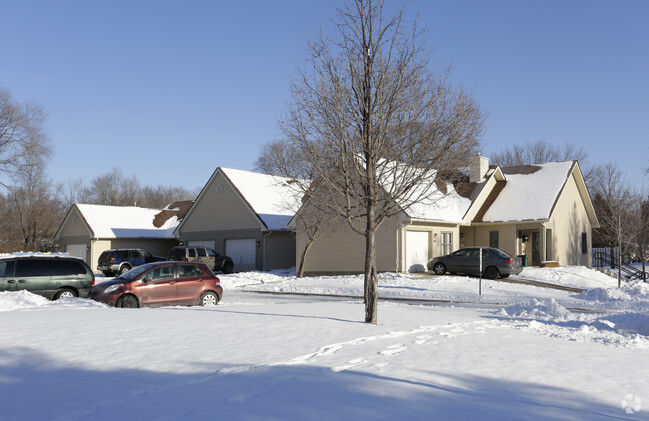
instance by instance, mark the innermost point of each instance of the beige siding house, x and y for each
(542, 212)
(89, 230)
(243, 215)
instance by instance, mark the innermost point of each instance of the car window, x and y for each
(7, 268)
(120, 254)
(146, 254)
(33, 267)
(463, 253)
(192, 252)
(500, 253)
(212, 253)
(186, 271)
(67, 267)
(104, 255)
(176, 253)
(162, 272)
(201, 252)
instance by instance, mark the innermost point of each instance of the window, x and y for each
(493, 239)
(212, 253)
(7, 268)
(162, 272)
(67, 267)
(191, 252)
(201, 253)
(584, 243)
(33, 267)
(446, 243)
(187, 271)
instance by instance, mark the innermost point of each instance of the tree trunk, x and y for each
(300, 269)
(371, 278)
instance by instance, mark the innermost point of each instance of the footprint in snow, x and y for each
(394, 350)
(351, 364)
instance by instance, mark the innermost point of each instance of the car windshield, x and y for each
(134, 273)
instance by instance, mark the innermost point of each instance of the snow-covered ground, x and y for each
(518, 354)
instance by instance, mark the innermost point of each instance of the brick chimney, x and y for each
(478, 166)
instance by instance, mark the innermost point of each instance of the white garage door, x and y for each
(208, 244)
(77, 250)
(242, 252)
(416, 251)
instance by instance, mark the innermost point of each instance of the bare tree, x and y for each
(376, 124)
(282, 158)
(616, 205)
(538, 152)
(116, 189)
(23, 141)
(32, 214)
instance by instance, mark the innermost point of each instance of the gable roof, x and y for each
(121, 222)
(270, 198)
(528, 193)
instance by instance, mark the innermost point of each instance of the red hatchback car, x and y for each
(161, 284)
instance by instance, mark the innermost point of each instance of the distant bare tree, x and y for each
(116, 189)
(23, 141)
(618, 208)
(71, 192)
(161, 196)
(31, 213)
(538, 152)
(282, 158)
(375, 124)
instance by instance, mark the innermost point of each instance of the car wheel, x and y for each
(127, 301)
(124, 269)
(439, 268)
(65, 292)
(228, 267)
(491, 272)
(209, 298)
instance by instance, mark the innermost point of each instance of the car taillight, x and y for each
(216, 279)
(92, 283)
(510, 261)
(112, 259)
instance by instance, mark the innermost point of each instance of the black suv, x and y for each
(52, 275)
(122, 260)
(211, 258)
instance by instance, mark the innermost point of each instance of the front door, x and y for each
(536, 252)
(160, 286)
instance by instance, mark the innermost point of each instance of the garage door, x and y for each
(77, 250)
(416, 251)
(242, 252)
(208, 244)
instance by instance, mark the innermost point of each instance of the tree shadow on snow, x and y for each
(34, 387)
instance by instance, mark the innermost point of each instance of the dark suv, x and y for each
(211, 258)
(122, 260)
(52, 275)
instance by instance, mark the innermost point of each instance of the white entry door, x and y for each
(416, 251)
(243, 253)
(76, 250)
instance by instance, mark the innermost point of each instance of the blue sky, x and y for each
(168, 90)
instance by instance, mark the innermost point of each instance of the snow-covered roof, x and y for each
(439, 206)
(271, 197)
(529, 193)
(125, 222)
